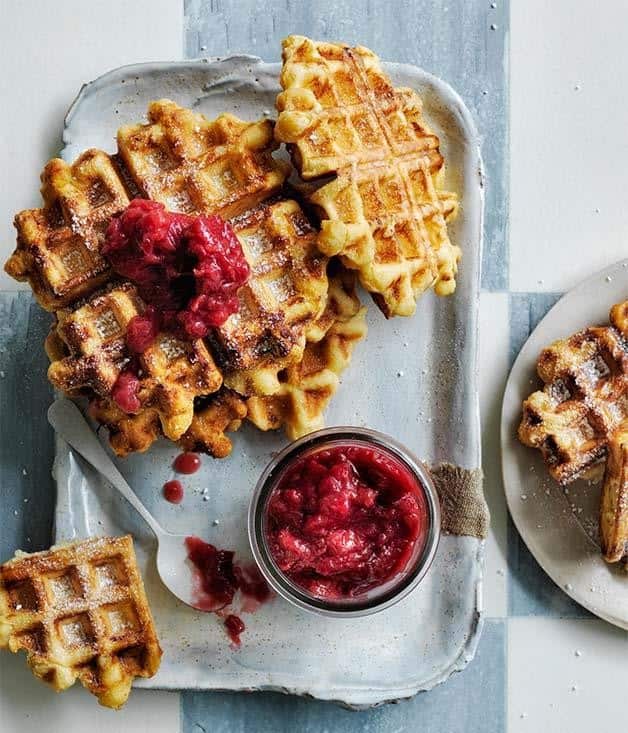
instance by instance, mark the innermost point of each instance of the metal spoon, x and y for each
(174, 571)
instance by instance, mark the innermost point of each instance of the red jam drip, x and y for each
(189, 268)
(217, 579)
(142, 330)
(235, 626)
(187, 463)
(173, 491)
(345, 520)
(124, 392)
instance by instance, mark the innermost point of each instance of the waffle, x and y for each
(307, 387)
(285, 294)
(214, 416)
(172, 371)
(79, 611)
(127, 433)
(614, 506)
(584, 400)
(194, 165)
(58, 245)
(383, 213)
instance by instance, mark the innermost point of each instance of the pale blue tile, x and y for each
(26, 440)
(526, 310)
(465, 43)
(472, 701)
(531, 592)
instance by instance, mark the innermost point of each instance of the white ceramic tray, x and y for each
(560, 527)
(414, 378)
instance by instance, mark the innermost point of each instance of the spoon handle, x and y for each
(69, 423)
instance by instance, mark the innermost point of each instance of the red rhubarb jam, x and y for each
(125, 392)
(345, 519)
(187, 463)
(217, 578)
(173, 491)
(235, 626)
(188, 268)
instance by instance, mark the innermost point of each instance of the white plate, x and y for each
(415, 378)
(560, 527)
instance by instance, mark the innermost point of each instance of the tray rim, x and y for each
(456, 105)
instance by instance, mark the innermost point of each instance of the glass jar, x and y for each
(378, 596)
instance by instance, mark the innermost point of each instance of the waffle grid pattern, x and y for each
(580, 418)
(339, 114)
(307, 387)
(79, 612)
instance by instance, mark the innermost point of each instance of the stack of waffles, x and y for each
(79, 611)
(580, 419)
(277, 361)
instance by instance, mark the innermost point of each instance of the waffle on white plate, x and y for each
(79, 611)
(580, 418)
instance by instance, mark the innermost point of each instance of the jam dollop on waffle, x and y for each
(188, 268)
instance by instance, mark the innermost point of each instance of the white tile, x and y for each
(569, 155)
(29, 706)
(50, 51)
(551, 688)
(494, 345)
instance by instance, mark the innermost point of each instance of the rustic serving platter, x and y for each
(415, 378)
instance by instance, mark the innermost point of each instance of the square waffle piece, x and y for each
(199, 166)
(383, 213)
(58, 246)
(614, 506)
(307, 387)
(584, 400)
(285, 295)
(172, 372)
(79, 611)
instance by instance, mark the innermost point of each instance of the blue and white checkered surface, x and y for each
(543, 663)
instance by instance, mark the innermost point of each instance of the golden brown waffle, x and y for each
(190, 164)
(584, 400)
(173, 372)
(214, 416)
(194, 165)
(79, 611)
(614, 506)
(127, 433)
(383, 213)
(58, 245)
(307, 387)
(285, 294)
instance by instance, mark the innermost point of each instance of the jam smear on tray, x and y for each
(217, 579)
(187, 463)
(235, 626)
(189, 268)
(344, 520)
